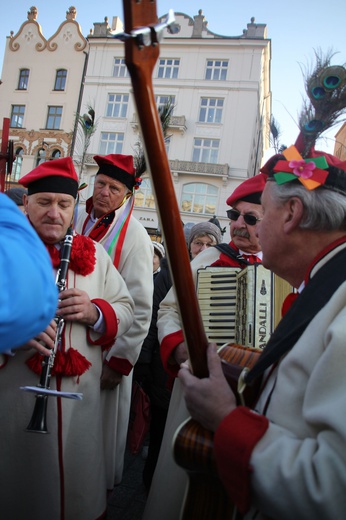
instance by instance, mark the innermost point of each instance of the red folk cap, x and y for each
(57, 176)
(249, 190)
(118, 167)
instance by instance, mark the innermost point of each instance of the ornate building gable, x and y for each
(68, 33)
(30, 34)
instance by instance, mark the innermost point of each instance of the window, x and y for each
(216, 70)
(60, 79)
(54, 118)
(23, 79)
(144, 197)
(111, 142)
(17, 164)
(56, 154)
(168, 68)
(41, 156)
(210, 110)
(120, 69)
(117, 105)
(199, 198)
(17, 116)
(162, 101)
(205, 150)
(167, 144)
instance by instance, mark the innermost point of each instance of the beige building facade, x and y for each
(220, 89)
(41, 88)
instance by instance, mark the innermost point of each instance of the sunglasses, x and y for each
(251, 220)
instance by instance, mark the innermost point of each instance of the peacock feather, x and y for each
(325, 86)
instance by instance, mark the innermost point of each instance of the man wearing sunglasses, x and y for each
(245, 212)
(244, 249)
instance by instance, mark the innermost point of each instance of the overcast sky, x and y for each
(295, 28)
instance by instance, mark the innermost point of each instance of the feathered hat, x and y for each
(326, 89)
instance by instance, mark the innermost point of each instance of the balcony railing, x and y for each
(175, 123)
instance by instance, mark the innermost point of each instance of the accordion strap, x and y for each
(227, 250)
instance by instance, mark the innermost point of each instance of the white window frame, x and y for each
(168, 68)
(120, 69)
(216, 70)
(162, 100)
(197, 196)
(54, 116)
(17, 116)
(23, 80)
(146, 190)
(111, 142)
(60, 80)
(211, 110)
(205, 150)
(117, 105)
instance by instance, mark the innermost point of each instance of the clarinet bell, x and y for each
(38, 422)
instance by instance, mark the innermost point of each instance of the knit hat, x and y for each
(159, 249)
(57, 176)
(118, 167)
(204, 227)
(16, 194)
(249, 190)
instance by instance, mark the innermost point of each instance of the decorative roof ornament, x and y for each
(71, 13)
(32, 14)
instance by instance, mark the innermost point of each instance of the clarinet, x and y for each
(38, 422)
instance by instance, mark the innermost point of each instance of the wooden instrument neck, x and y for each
(141, 53)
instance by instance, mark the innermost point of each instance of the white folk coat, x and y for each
(136, 268)
(62, 475)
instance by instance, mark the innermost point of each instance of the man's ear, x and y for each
(25, 201)
(294, 214)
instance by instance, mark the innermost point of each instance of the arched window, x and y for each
(41, 156)
(17, 164)
(199, 198)
(56, 154)
(23, 79)
(60, 79)
(144, 197)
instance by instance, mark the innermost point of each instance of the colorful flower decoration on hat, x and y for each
(138, 182)
(310, 172)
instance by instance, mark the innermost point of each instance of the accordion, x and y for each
(238, 305)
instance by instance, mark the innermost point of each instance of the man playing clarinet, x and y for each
(62, 475)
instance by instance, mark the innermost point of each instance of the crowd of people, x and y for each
(280, 458)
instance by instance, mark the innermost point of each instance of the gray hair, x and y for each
(324, 209)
